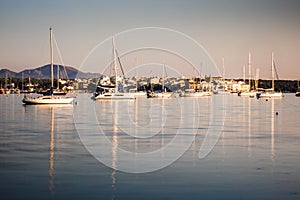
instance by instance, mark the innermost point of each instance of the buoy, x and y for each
(276, 113)
(267, 100)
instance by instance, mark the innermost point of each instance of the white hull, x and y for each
(47, 100)
(271, 95)
(222, 92)
(162, 95)
(196, 94)
(247, 94)
(114, 96)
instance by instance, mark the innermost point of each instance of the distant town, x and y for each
(135, 84)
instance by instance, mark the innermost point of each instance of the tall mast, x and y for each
(115, 62)
(223, 69)
(136, 82)
(244, 73)
(249, 65)
(163, 78)
(57, 76)
(51, 57)
(22, 81)
(256, 78)
(272, 71)
(5, 81)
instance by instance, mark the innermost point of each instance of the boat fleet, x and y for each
(114, 87)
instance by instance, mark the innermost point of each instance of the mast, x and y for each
(115, 62)
(136, 82)
(5, 81)
(22, 81)
(200, 84)
(257, 77)
(223, 74)
(272, 71)
(249, 65)
(244, 73)
(51, 57)
(223, 69)
(58, 76)
(163, 78)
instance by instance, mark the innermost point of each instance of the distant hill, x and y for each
(7, 73)
(44, 72)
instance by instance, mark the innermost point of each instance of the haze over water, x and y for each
(256, 156)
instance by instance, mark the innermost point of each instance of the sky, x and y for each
(226, 29)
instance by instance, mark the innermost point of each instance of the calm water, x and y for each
(256, 156)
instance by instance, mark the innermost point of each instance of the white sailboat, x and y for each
(135, 91)
(48, 99)
(190, 92)
(250, 93)
(221, 88)
(163, 94)
(270, 93)
(110, 92)
(193, 93)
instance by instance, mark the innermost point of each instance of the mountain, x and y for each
(7, 73)
(44, 72)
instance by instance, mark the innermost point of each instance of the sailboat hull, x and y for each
(161, 95)
(114, 96)
(195, 94)
(247, 94)
(269, 95)
(47, 100)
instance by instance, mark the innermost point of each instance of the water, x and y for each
(256, 156)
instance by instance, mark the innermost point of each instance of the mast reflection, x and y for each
(162, 142)
(51, 150)
(114, 148)
(272, 154)
(249, 128)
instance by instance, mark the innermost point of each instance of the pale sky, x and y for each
(225, 28)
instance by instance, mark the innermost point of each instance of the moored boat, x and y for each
(193, 93)
(48, 98)
(112, 91)
(249, 93)
(270, 93)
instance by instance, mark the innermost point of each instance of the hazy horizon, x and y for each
(228, 29)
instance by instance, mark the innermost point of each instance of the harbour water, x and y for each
(42, 155)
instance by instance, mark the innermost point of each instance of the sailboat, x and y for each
(163, 93)
(50, 98)
(250, 93)
(110, 91)
(221, 87)
(270, 93)
(193, 93)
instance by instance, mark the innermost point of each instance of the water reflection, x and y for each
(42, 117)
(35, 163)
(51, 154)
(114, 149)
(249, 128)
(272, 155)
